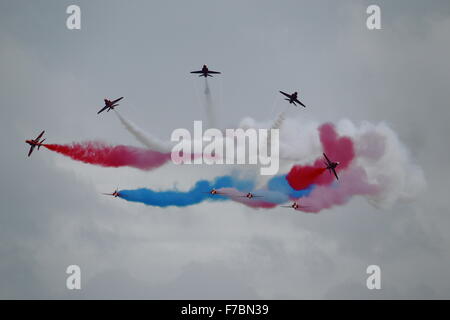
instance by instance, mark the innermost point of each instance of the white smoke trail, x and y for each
(144, 138)
(209, 106)
(279, 121)
(388, 163)
(379, 152)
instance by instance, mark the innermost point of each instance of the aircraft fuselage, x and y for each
(333, 165)
(293, 97)
(205, 71)
(33, 142)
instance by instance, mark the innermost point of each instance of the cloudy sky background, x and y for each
(51, 213)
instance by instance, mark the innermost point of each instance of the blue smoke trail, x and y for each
(197, 194)
(278, 191)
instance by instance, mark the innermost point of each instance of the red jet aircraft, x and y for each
(250, 196)
(295, 206)
(213, 192)
(205, 72)
(331, 166)
(292, 98)
(110, 104)
(35, 143)
(115, 194)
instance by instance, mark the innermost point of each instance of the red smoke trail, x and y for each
(337, 149)
(104, 155)
(301, 177)
(256, 203)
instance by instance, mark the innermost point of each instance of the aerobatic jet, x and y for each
(110, 105)
(250, 196)
(115, 194)
(295, 206)
(213, 192)
(35, 143)
(205, 72)
(331, 166)
(292, 98)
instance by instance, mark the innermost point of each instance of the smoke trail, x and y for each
(281, 184)
(373, 163)
(337, 148)
(101, 154)
(387, 163)
(381, 171)
(209, 106)
(301, 177)
(231, 188)
(378, 150)
(197, 194)
(147, 140)
(278, 122)
(352, 182)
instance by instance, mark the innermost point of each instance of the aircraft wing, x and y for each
(298, 101)
(117, 100)
(335, 174)
(40, 135)
(200, 71)
(286, 94)
(328, 160)
(31, 150)
(103, 109)
(286, 206)
(213, 72)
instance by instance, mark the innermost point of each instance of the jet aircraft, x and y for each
(110, 105)
(292, 98)
(205, 72)
(35, 143)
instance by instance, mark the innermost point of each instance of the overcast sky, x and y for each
(51, 213)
